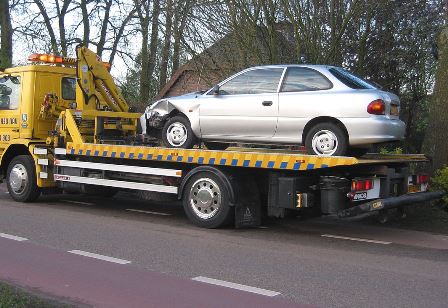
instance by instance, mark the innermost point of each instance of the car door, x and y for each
(244, 109)
(303, 94)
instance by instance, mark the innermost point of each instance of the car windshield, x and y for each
(351, 80)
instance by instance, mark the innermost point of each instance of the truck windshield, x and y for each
(351, 80)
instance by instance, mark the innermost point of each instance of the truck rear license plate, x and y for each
(360, 196)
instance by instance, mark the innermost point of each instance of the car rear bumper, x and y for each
(374, 130)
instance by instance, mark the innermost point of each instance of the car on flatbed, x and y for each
(325, 108)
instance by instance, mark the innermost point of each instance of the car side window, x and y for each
(299, 79)
(9, 92)
(257, 81)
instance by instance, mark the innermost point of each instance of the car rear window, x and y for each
(351, 80)
(304, 79)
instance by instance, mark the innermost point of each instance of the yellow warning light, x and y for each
(45, 58)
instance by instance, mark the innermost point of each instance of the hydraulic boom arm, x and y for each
(94, 78)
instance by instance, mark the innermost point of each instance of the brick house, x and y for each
(226, 57)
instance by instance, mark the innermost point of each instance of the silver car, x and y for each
(325, 108)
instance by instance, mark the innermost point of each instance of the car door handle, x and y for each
(267, 103)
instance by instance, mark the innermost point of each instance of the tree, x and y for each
(6, 35)
(436, 145)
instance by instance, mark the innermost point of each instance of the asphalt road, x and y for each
(319, 262)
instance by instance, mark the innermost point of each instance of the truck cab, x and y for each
(23, 92)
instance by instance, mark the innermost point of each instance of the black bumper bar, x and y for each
(390, 203)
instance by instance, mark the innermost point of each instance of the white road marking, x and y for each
(7, 192)
(236, 286)
(13, 237)
(99, 257)
(78, 202)
(262, 227)
(356, 239)
(148, 212)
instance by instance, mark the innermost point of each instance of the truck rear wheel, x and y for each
(206, 201)
(21, 179)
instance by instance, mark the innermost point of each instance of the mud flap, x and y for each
(248, 207)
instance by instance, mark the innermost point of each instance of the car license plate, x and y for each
(394, 110)
(413, 188)
(360, 196)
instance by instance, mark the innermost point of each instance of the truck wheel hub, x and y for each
(205, 198)
(18, 178)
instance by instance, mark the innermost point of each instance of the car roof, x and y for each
(293, 65)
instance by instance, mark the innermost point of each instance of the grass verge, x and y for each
(430, 218)
(16, 297)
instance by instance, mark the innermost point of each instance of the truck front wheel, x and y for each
(21, 179)
(206, 201)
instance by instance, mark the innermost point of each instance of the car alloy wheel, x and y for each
(325, 142)
(176, 134)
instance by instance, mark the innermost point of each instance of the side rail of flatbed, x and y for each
(218, 187)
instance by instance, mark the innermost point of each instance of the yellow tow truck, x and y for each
(65, 127)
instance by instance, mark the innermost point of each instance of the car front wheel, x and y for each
(177, 133)
(326, 139)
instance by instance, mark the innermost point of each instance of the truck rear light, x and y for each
(377, 107)
(362, 185)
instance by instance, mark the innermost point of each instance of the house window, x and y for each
(256, 81)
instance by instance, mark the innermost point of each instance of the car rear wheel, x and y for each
(177, 133)
(326, 139)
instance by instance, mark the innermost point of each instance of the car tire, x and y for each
(216, 146)
(21, 179)
(206, 201)
(326, 139)
(177, 133)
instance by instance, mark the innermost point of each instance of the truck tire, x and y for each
(206, 201)
(21, 179)
(177, 133)
(326, 139)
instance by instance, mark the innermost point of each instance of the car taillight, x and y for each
(377, 107)
(362, 185)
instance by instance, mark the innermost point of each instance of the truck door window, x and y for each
(9, 92)
(68, 88)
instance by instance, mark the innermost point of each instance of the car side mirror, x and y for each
(215, 90)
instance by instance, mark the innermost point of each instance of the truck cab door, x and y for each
(10, 97)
